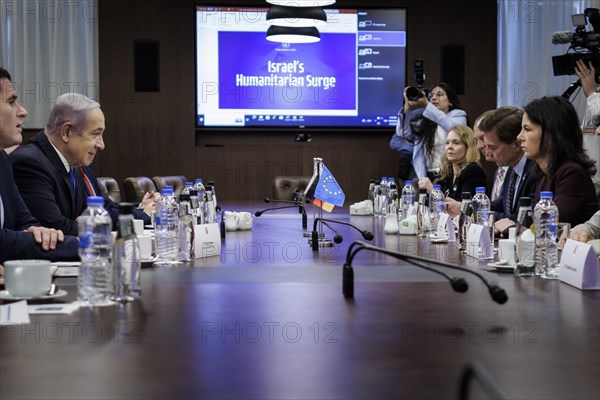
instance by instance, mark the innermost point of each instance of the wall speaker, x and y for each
(453, 66)
(146, 66)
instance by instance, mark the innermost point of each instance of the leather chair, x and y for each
(284, 186)
(135, 188)
(109, 187)
(178, 183)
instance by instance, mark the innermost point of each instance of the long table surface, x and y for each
(267, 319)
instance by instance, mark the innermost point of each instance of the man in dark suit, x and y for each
(501, 129)
(20, 233)
(52, 169)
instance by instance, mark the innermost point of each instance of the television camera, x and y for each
(585, 44)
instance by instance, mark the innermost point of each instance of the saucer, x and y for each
(502, 267)
(4, 295)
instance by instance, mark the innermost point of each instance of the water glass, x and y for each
(559, 236)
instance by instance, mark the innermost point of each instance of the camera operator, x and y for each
(421, 151)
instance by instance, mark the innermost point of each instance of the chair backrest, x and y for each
(109, 187)
(134, 188)
(284, 186)
(178, 183)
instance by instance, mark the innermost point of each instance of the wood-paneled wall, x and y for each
(153, 133)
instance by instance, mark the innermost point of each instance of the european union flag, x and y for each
(328, 190)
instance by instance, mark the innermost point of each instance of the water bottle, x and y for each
(464, 220)
(422, 214)
(545, 219)
(480, 202)
(376, 199)
(524, 239)
(210, 212)
(166, 227)
(436, 207)
(95, 284)
(127, 263)
(197, 201)
(408, 197)
(391, 216)
(214, 194)
(186, 229)
(371, 194)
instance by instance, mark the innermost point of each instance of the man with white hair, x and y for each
(52, 170)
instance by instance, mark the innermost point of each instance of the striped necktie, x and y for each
(497, 188)
(88, 185)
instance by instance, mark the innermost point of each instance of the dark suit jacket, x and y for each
(573, 192)
(470, 178)
(527, 188)
(14, 242)
(47, 190)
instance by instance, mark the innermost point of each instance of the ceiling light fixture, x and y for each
(296, 16)
(287, 34)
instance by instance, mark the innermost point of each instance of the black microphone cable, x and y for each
(496, 292)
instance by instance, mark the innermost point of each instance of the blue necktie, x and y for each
(73, 181)
(508, 200)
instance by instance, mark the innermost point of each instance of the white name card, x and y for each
(207, 240)
(478, 239)
(445, 227)
(579, 266)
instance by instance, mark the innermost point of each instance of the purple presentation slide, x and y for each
(257, 74)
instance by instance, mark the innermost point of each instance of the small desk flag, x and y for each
(328, 192)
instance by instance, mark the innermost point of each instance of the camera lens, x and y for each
(412, 93)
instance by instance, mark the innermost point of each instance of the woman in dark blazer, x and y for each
(459, 169)
(551, 136)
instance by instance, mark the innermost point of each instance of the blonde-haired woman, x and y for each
(460, 170)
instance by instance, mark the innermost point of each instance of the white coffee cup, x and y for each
(231, 220)
(244, 221)
(27, 278)
(506, 251)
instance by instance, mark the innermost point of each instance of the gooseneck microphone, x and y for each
(496, 292)
(299, 203)
(338, 238)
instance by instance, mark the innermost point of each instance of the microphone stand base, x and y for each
(309, 234)
(323, 242)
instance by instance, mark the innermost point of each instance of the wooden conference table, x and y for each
(267, 320)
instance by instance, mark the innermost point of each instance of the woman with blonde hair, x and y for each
(459, 170)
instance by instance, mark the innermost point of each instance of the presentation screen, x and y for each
(352, 78)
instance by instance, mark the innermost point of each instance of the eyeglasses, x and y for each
(437, 94)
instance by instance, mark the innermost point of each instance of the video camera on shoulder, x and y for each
(414, 93)
(585, 44)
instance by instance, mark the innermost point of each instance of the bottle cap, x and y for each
(479, 189)
(167, 191)
(95, 200)
(437, 187)
(546, 194)
(189, 184)
(198, 180)
(408, 182)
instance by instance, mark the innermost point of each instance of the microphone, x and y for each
(338, 238)
(496, 292)
(562, 37)
(572, 87)
(261, 212)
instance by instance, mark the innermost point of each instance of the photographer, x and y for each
(422, 150)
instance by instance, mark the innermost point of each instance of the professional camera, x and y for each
(585, 45)
(415, 93)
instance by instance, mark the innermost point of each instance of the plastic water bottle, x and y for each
(214, 194)
(391, 216)
(197, 202)
(95, 283)
(545, 219)
(186, 229)
(525, 239)
(464, 220)
(376, 198)
(210, 210)
(480, 202)
(371, 194)
(127, 262)
(423, 223)
(436, 207)
(166, 227)
(408, 197)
